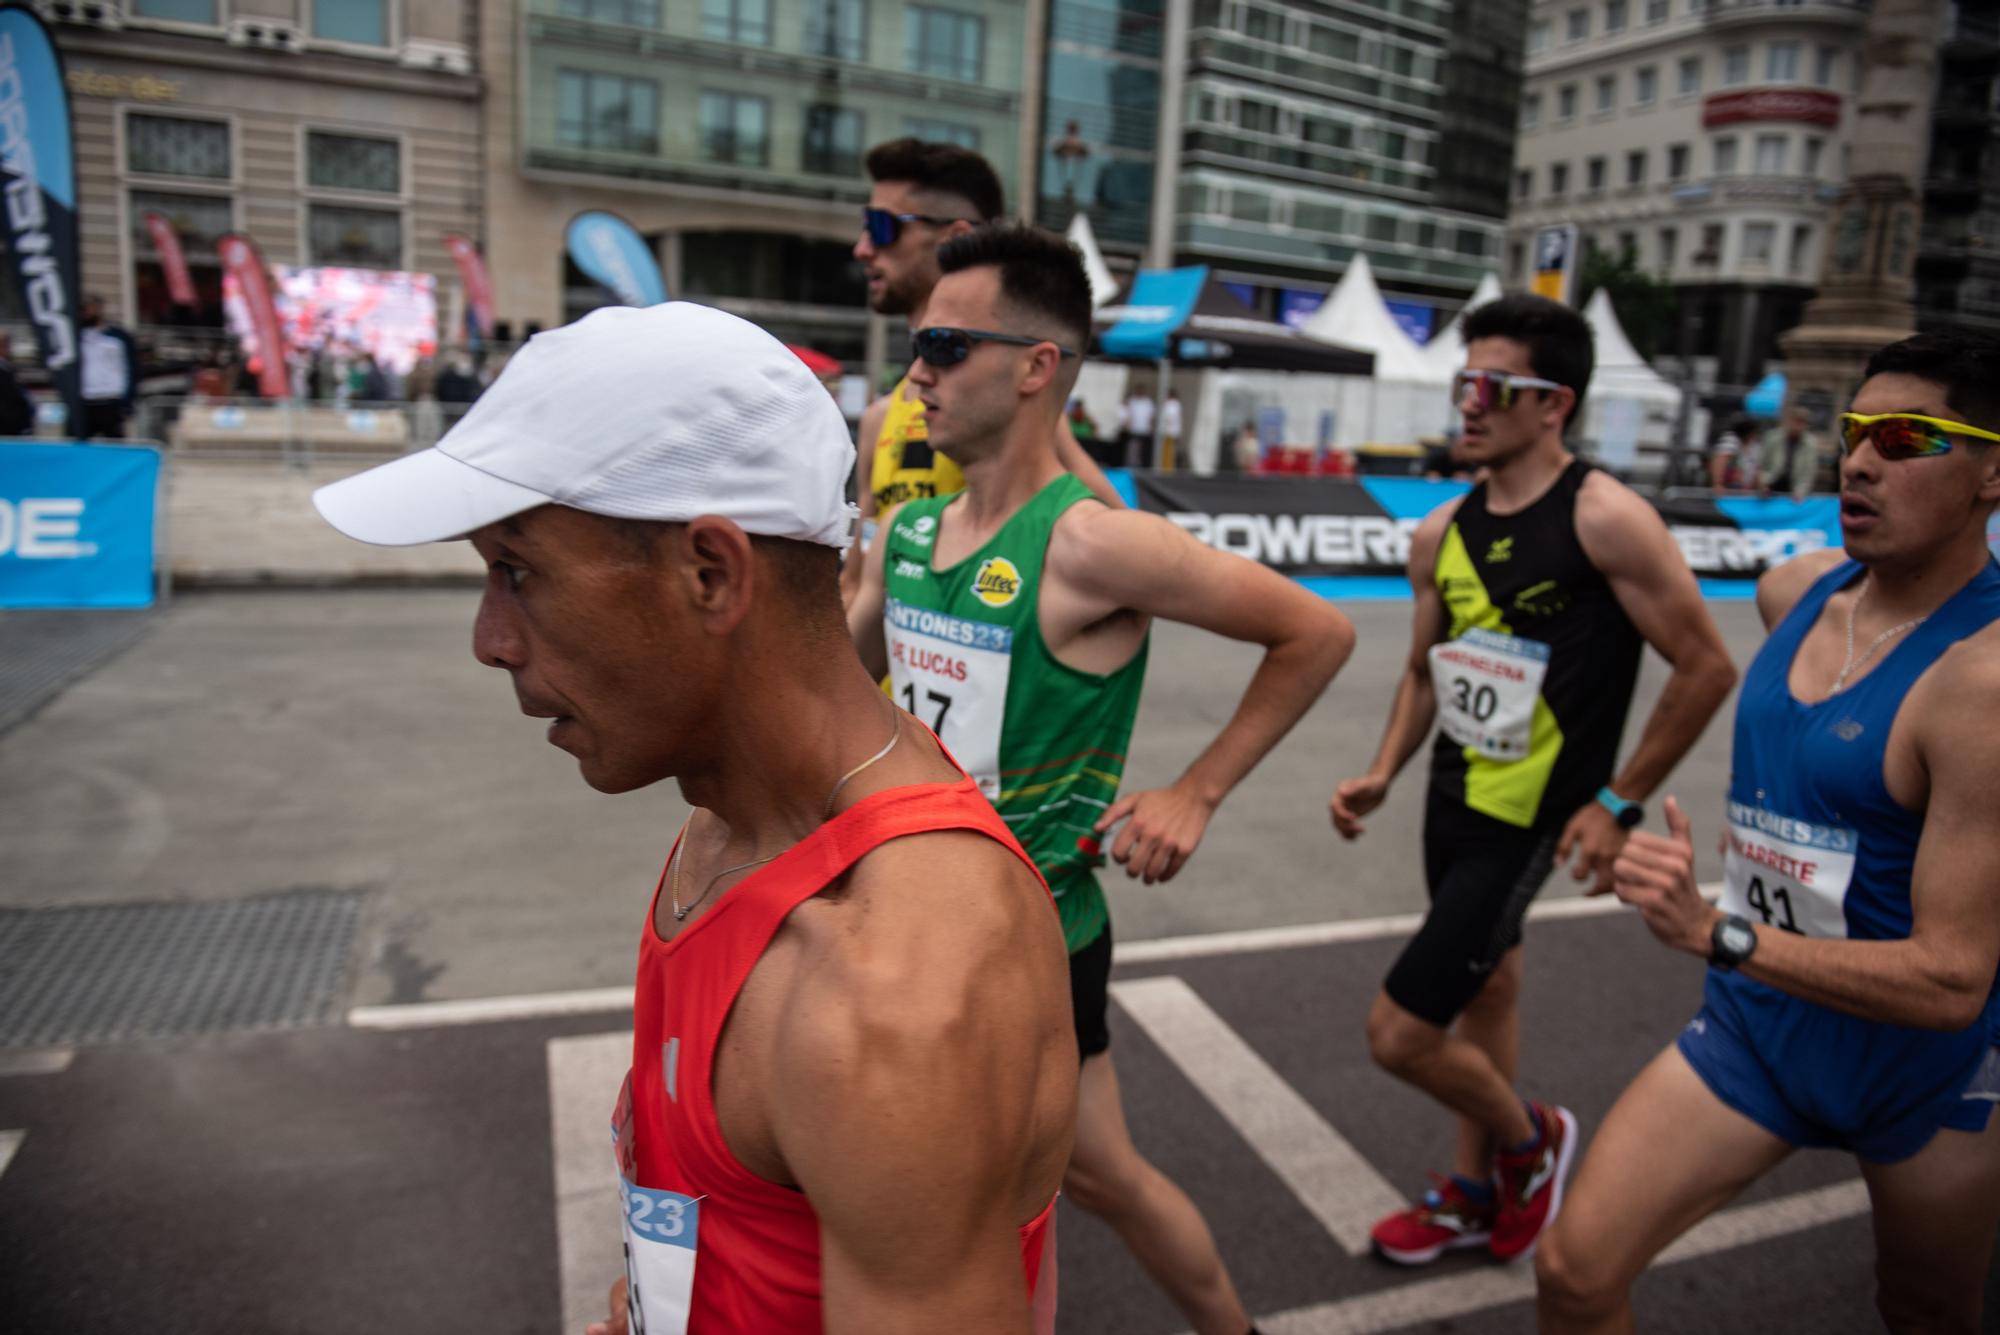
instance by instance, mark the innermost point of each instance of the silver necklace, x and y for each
(1848, 665)
(674, 876)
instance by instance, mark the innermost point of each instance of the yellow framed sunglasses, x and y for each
(1899, 436)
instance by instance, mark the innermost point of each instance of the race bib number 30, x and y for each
(1789, 874)
(952, 674)
(1487, 685)
(660, 1229)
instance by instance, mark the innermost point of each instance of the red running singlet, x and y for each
(710, 1246)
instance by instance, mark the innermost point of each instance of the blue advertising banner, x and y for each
(76, 525)
(38, 178)
(1161, 301)
(1416, 317)
(611, 250)
(1352, 539)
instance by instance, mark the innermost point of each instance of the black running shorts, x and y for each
(1482, 874)
(1090, 994)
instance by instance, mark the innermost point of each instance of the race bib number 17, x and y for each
(952, 674)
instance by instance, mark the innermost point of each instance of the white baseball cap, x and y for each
(665, 412)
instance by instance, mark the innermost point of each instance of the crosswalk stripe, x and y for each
(1435, 1300)
(1331, 1179)
(584, 1075)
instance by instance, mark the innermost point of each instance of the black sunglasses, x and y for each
(942, 345)
(883, 227)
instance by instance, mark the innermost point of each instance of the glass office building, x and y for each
(1100, 117)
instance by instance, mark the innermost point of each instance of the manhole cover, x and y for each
(42, 652)
(118, 972)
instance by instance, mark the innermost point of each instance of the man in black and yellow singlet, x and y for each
(924, 194)
(1014, 618)
(1535, 595)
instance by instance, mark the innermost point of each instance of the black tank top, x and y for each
(1527, 575)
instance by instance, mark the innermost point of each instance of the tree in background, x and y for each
(1645, 305)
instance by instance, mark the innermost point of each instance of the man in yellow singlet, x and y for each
(925, 194)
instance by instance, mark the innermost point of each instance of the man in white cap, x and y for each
(845, 940)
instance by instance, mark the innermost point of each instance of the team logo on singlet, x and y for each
(1501, 550)
(997, 583)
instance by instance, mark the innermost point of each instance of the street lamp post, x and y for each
(1070, 151)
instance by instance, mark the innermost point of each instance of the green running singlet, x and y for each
(1045, 742)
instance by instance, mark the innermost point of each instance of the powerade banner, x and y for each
(610, 250)
(253, 310)
(478, 286)
(38, 167)
(76, 525)
(1311, 527)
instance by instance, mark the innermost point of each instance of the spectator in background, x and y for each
(1734, 453)
(1789, 462)
(371, 386)
(17, 412)
(110, 372)
(1138, 439)
(1170, 430)
(456, 382)
(1082, 425)
(426, 418)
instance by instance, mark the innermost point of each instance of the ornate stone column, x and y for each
(1867, 289)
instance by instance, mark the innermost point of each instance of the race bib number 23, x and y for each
(660, 1230)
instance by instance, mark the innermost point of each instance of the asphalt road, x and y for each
(333, 1178)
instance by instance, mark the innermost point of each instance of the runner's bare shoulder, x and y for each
(1428, 536)
(1781, 587)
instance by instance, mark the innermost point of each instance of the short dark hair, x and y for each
(1965, 362)
(1040, 273)
(808, 573)
(944, 169)
(1559, 342)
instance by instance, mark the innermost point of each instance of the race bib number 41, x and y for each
(952, 674)
(1789, 874)
(1487, 685)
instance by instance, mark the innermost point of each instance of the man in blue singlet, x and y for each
(1851, 1001)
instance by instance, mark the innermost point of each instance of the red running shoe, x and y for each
(1445, 1219)
(1531, 1184)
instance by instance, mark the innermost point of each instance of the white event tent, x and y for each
(1103, 287)
(1445, 353)
(1622, 376)
(1405, 400)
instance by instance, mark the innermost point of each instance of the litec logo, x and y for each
(997, 583)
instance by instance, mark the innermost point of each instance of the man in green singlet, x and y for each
(1013, 619)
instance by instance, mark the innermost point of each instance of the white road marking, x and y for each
(483, 1010)
(1437, 1300)
(10, 1141)
(1255, 939)
(36, 1061)
(584, 1075)
(592, 1001)
(1340, 1188)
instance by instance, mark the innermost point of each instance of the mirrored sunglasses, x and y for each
(943, 345)
(1494, 390)
(883, 227)
(1899, 436)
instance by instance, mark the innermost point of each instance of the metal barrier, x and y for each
(297, 432)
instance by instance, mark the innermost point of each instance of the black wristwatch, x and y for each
(1624, 810)
(1731, 941)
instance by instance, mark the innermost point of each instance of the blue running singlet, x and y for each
(1817, 846)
